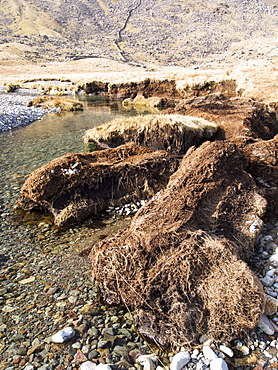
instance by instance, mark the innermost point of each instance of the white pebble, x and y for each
(226, 350)
(264, 254)
(63, 335)
(267, 354)
(102, 367)
(143, 358)
(179, 360)
(209, 354)
(244, 350)
(88, 365)
(218, 364)
(77, 345)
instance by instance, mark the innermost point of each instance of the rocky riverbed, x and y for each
(45, 286)
(14, 111)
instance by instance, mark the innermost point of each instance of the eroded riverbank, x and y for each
(46, 278)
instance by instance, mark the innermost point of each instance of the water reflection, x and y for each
(30, 147)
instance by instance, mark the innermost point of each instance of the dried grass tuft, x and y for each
(174, 133)
(51, 102)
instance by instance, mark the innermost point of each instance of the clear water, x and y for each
(30, 147)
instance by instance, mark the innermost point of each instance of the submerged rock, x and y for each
(76, 186)
(180, 265)
(174, 133)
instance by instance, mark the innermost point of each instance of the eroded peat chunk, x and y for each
(239, 119)
(262, 156)
(173, 133)
(180, 264)
(76, 186)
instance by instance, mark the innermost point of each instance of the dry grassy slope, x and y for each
(157, 31)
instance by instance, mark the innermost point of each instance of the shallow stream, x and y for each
(27, 148)
(54, 261)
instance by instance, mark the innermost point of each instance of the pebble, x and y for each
(88, 365)
(179, 360)
(266, 325)
(145, 358)
(103, 367)
(218, 364)
(244, 350)
(209, 353)
(80, 357)
(226, 350)
(63, 335)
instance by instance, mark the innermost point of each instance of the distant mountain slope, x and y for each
(139, 31)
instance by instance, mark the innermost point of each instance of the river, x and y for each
(27, 148)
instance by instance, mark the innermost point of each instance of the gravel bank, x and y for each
(14, 111)
(45, 286)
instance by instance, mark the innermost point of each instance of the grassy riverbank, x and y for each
(253, 79)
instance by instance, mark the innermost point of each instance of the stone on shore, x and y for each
(266, 325)
(209, 353)
(180, 265)
(88, 365)
(63, 335)
(173, 133)
(179, 360)
(218, 364)
(79, 185)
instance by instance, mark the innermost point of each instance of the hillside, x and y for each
(145, 32)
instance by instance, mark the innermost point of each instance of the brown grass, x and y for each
(174, 133)
(50, 102)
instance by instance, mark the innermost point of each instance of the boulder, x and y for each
(174, 133)
(180, 265)
(239, 119)
(76, 186)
